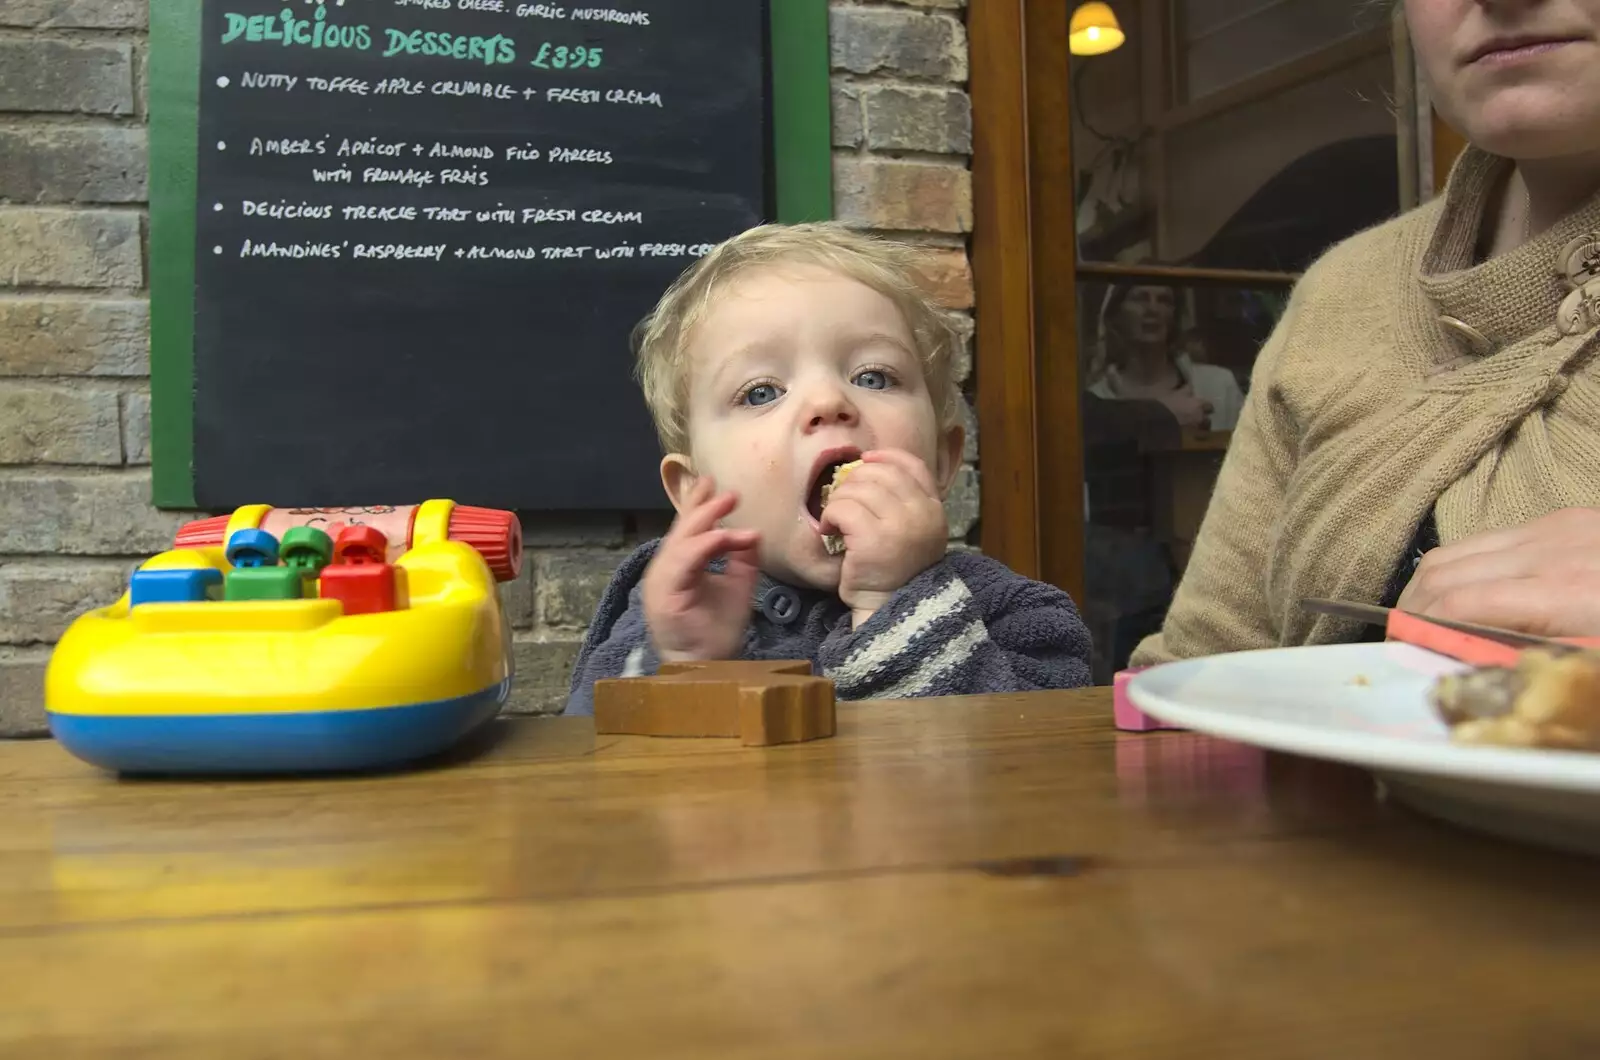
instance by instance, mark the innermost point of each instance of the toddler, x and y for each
(783, 354)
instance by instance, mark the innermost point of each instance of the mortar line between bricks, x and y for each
(891, 76)
(24, 112)
(55, 468)
(74, 34)
(871, 78)
(121, 384)
(913, 10)
(926, 159)
(136, 209)
(879, 79)
(55, 560)
(15, 120)
(81, 471)
(53, 292)
(932, 240)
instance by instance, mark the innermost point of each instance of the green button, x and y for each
(263, 583)
(306, 549)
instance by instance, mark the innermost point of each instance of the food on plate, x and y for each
(834, 543)
(1546, 700)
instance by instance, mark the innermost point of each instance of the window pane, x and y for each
(1296, 152)
(1165, 373)
(1274, 182)
(1228, 41)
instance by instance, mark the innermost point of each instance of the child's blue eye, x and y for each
(761, 394)
(872, 379)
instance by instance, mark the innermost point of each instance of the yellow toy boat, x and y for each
(311, 652)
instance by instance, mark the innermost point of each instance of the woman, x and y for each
(1144, 388)
(1142, 360)
(1433, 379)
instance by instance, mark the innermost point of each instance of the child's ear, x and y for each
(678, 478)
(951, 441)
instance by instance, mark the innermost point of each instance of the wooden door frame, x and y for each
(1447, 147)
(1024, 263)
(1434, 145)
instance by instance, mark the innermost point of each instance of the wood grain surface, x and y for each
(999, 876)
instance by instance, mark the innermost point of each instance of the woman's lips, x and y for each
(1501, 54)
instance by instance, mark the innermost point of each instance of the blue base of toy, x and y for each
(316, 742)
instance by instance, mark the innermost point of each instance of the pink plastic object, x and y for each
(1479, 651)
(1128, 717)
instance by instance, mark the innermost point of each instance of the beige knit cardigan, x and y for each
(1368, 407)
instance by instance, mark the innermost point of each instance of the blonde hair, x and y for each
(895, 270)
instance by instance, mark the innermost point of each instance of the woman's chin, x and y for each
(1534, 122)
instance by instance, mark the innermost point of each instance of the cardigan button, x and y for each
(1579, 260)
(1475, 339)
(1577, 312)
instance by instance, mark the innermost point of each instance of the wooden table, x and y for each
(989, 877)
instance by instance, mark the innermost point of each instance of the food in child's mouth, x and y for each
(834, 543)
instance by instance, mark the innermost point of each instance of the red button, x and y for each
(359, 578)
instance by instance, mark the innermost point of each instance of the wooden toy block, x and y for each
(762, 703)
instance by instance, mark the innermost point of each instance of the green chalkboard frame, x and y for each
(802, 169)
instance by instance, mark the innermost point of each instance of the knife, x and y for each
(1467, 641)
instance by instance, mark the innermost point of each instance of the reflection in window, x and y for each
(1244, 134)
(1144, 351)
(1223, 135)
(1165, 371)
(1225, 42)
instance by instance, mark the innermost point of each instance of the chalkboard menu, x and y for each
(424, 230)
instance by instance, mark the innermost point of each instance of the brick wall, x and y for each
(75, 515)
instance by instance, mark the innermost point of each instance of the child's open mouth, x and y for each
(822, 476)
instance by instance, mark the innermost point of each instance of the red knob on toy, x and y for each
(495, 533)
(202, 532)
(360, 544)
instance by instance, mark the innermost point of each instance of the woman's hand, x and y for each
(1542, 577)
(1190, 410)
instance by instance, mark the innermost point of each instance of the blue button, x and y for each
(173, 586)
(252, 548)
(781, 605)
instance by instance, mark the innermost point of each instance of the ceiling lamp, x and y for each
(1094, 30)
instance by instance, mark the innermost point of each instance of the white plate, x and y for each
(1366, 705)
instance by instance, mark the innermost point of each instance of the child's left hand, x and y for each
(892, 520)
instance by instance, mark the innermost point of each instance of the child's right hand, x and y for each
(693, 613)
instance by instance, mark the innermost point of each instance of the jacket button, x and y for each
(781, 605)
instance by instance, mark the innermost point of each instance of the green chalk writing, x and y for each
(487, 50)
(562, 57)
(287, 30)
